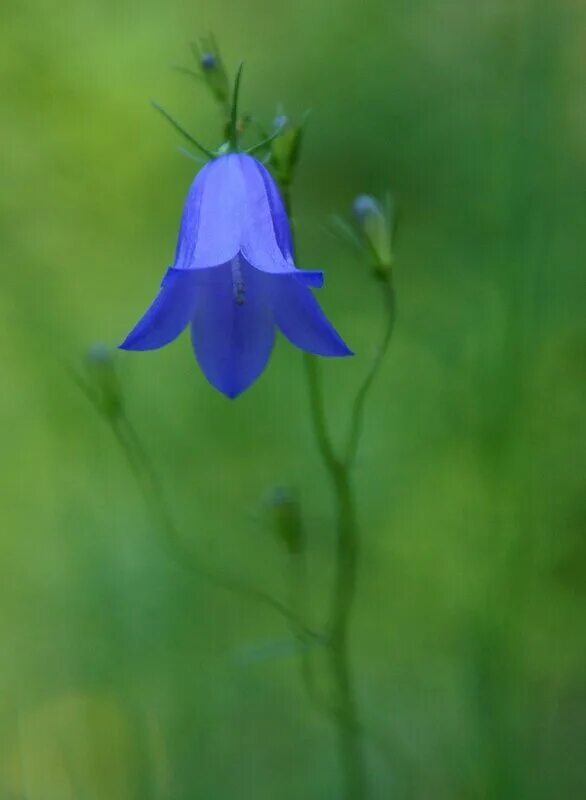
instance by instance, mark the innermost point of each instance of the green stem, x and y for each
(343, 595)
(318, 417)
(345, 708)
(233, 126)
(357, 417)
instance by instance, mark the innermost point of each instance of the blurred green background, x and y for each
(123, 675)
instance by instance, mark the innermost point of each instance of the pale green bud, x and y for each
(375, 225)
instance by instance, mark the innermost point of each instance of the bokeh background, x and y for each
(125, 675)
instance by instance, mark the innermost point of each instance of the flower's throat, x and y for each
(238, 285)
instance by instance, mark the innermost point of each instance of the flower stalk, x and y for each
(347, 556)
(347, 560)
(357, 417)
(344, 706)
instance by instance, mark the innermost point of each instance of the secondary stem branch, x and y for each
(357, 416)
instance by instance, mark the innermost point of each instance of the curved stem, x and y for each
(357, 417)
(318, 417)
(344, 709)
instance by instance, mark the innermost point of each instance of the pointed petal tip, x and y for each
(141, 339)
(336, 349)
(130, 343)
(233, 341)
(302, 320)
(167, 315)
(345, 351)
(230, 391)
(232, 394)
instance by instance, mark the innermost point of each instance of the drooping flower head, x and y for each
(233, 280)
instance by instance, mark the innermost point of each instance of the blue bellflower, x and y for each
(233, 279)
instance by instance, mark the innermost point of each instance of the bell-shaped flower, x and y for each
(233, 280)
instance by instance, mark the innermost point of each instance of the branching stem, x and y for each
(153, 496)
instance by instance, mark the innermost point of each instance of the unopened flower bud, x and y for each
(208, 61)
(212, 69)
(280, 121)
(375, 227)
(286, 519)
(365, 206)
(99, 353)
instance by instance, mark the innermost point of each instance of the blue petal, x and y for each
(189, 228)
(266, 235)
(264, 243)
(234, 209)
(267, 243)
(221, 210)
(168, 315)
(233, 335)
(280, 221)
(211, 225)
(301, 320)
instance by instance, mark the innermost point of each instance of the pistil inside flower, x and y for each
(238, 285)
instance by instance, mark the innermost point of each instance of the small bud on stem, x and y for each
(375, 225)
(285, 509)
